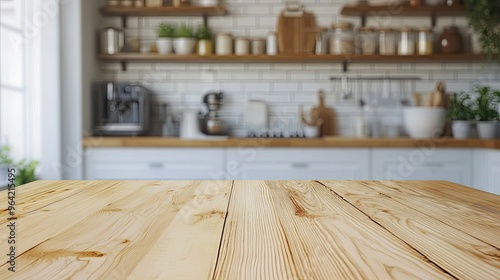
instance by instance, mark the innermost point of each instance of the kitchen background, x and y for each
(284, 86)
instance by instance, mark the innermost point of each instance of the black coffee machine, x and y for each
(121, 109)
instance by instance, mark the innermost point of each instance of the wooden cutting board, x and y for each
(326, 114)
(297, 34)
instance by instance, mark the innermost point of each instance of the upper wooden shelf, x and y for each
(163, 11)
(403, 10)
(292, 58)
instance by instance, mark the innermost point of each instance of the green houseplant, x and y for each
(184, 41)
(484, 18)
(25, 170)
(205, 43)
(486, 111)
(462, 115)
(165, 34)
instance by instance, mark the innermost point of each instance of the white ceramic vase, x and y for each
(184, 46)
(487, 130)
(462, 129)
(164, 45)
(311, 131)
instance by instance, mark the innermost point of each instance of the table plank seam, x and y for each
(424, 257)
(222, 232)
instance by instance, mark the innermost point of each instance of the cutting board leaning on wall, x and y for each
(296, 29)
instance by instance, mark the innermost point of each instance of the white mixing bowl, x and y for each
(424, 122)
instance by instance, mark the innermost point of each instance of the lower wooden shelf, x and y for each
(292, 58)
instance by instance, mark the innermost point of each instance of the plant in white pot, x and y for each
(486, 111)
(184, 42)
(165, 34)
(462, 115)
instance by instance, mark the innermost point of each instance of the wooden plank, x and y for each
(138, 236)
(456, 252)
(291, 58)
(301, 230)
(462, 213)
(396, 9)
(34, 228)
(338, 142)
(188, 248)
(163, 11)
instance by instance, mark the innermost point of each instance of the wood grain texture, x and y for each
(299, 230)
(456, 252)
(190, 10)
(122, 232)
(463, 212)
(325, 142)
(403, 10)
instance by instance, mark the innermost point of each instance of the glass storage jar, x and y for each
(342, 38)
(425, 42)
(406, 42)
(368, 39)
(258, 46)
(387, 41)
(224, 44)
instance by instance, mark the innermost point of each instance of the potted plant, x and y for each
(484, 18)
(165, 34)
(25, 170)
(486, 111)
(205, 43)
(184, 41)
(462, 115)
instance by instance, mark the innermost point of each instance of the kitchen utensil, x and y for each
(326, 114)
(112, 40)
(190, 126)
(211, 124)
(296, 29)
(256, 116)
(438, 97)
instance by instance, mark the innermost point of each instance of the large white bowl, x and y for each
(424, 122)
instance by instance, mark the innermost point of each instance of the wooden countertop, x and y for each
(333, 142)
(253, 230)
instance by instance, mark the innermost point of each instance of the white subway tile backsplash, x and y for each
(284, 86)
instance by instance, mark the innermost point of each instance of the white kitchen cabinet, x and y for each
(250, 163)
(487, 170)
(153, 163)
(454, 165)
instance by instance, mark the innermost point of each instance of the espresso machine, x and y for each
(121, 109)
(211, 123)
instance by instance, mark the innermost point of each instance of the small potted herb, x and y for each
(184, 41)
(5, 163)
(205, 43)
(25, 170)
(486, 111)
(165, 34)
(462, 115)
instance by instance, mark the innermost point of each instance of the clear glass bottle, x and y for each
(425, 42)
(342, 38)
(387, 41)
(406, 42)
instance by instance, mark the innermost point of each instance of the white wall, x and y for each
(283, 86)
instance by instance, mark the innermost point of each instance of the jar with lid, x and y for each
(241, 46)
(368, 38)
(387, 41)
(406, 42)
(425, 42)
(258, 46)
(224, 44)
(451, 40)
(342, 38)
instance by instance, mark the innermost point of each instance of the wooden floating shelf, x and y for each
(403, 10)
(163, 11)
(289, 58)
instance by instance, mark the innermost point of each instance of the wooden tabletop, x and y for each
(325, 142)
(252, 230)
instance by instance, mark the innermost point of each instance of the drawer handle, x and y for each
(156, 165)
(300, 165)
(434, 164)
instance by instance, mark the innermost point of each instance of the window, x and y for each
(15, 50)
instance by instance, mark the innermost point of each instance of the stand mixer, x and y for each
(212, 124)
